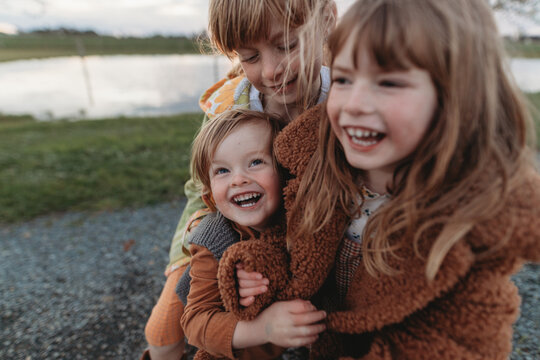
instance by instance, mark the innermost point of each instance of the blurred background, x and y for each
(98, 108)
(64, 62)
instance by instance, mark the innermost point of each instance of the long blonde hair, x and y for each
(473, 153)
(233, 24)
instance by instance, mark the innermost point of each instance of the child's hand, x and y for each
(250, 284)
(292, 323)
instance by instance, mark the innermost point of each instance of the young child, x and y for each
(422, 163)
(262, 35)
(234, 166)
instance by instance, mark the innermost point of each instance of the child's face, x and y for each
(244, 182)
(265, 65)
(378, 116)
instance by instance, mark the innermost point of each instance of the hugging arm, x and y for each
(295, 274)
(205, 323)
(399, 295)
(255, 255)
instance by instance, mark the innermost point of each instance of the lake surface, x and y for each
(114, 85)
(109, 86)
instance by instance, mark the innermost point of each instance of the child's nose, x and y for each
(272, 68)
(360, 100)
(239, 179)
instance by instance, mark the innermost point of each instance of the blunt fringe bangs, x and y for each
(474, 152)
(236, 23)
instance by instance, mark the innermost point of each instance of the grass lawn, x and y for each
(43, 45)
(534, 100)
(91, 165)
(525, 49)
(32, 46)
(99, 164)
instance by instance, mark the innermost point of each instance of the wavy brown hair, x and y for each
(475, 149)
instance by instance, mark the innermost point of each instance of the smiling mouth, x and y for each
(364, 137)
(283, 87)
(247, 200)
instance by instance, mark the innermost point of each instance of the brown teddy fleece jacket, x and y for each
(466, 312)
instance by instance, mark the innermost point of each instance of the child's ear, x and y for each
(208, 200)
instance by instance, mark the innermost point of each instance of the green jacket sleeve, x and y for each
(179, 241)
(194, 203)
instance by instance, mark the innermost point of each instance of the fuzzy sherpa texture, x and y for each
(466, 312)
(306, 269)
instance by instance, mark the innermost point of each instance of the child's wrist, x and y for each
(249, 333)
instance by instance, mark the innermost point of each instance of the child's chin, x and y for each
(252, 224)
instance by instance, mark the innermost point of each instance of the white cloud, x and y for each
(514, 24)
(6, 28)
(130, 17)
(120, 17)
(182, 10)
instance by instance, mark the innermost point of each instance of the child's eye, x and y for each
(340, 80)
(392, 83)
(249, 59)
(220, 171)
(290, 46)
(389, 83)
(256, 162)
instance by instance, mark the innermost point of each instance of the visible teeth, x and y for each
(251, 197)
(359, 133)
(245, 197)
(247, 204)
(363, 142)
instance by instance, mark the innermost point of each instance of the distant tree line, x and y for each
(64, 31)
(61, 31)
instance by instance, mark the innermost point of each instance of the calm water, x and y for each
(116, 85)
(133, 85)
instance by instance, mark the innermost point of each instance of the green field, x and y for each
(98, 165)
(94, 165)
(42, 45)
(26, 46)
(534, 100)
(525, 49)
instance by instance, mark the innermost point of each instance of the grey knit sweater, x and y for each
(214, 232)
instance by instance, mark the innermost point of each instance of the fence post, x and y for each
(81, 51)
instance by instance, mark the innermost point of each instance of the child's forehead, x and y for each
(252, 134)
(361, 46)
(272, 34)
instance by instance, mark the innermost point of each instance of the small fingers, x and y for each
(308, 318)
(244, 275)
(242, 283)
(312, 330)
(299, 306)
(246, 301)
(305, 335)
(245, 292)
(303, 341)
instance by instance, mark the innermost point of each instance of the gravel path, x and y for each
(79, 286)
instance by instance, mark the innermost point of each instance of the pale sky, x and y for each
(131, 17)
(116, 17)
